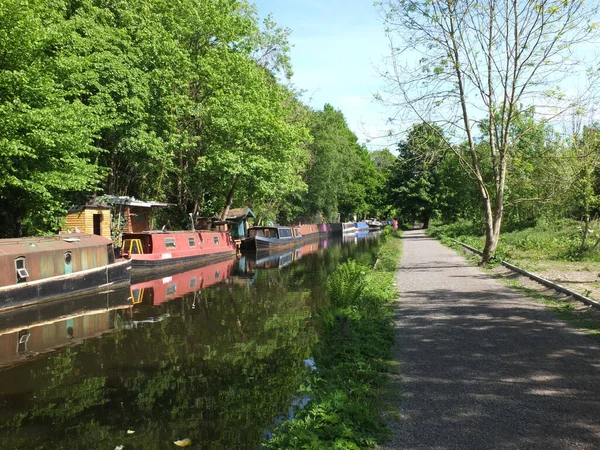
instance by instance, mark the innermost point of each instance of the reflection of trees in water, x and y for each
(219, 368)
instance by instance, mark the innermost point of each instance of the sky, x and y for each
(336, 45)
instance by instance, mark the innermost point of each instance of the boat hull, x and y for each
(142, 267)
(61, 286)
(259, 243)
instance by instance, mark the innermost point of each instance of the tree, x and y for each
(460, 62)
(47, 159)
(414, 183)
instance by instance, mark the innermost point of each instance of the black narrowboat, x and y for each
(270, 238)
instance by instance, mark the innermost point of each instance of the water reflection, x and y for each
(216, 354)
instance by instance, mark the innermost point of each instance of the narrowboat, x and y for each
(149, 251)
(39, 269)
(159, 290)
(308, 230)
(348, 228)
(361, 227)
(374, 225)
(336, 228)
(270, 238)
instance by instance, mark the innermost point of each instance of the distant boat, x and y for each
(152, 250)
(361, 226)
(37, 269)
(348, 228)
(270, 238)
(374, 225)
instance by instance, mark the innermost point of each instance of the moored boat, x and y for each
(38, 269)
(270, 238)
(374, 225)
(348, 228)
(361, 226)
(153, 250)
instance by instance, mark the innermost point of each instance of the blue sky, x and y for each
(336, 44)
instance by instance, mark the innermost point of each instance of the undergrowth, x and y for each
(557, 240)
(352, 359)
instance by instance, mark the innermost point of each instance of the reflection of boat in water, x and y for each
(277, 260)
(36, 330)
(159, 290)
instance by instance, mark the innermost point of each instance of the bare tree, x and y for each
(457, 63)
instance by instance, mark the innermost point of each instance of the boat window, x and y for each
(170, 243)
(171, 289)
(137, 296)
(193, 282)
(217, 274)
(22, 273)
(216, 239)
(192, 242)
(285, 233)
(267, 233)
(259, 233)
(68, 258)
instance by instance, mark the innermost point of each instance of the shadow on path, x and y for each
(483, 368)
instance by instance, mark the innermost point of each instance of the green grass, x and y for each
(555, 241)
(353, 360)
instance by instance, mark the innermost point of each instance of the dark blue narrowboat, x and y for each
(270, 238)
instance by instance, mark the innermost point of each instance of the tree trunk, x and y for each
(229, 198)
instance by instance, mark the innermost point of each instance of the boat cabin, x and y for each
(37, 258)
(271, 232)
(171, 242)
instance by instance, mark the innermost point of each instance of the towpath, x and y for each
(483, 367)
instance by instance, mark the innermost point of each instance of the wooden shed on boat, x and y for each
(92, 218)
(132, 215)
(238, 218)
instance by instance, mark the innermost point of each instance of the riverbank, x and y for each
(352, 359)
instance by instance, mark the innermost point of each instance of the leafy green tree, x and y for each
(414, 184)
(47, 159)
(484, 61)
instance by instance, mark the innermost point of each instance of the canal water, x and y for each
(216, 354)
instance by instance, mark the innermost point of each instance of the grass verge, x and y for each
(353, 359)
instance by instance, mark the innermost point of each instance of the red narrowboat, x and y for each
(38, 269)
(149, 251)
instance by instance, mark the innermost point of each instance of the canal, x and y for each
(216, 354)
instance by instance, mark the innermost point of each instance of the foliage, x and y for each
(351, 360)
(485, 63)
(184, 102)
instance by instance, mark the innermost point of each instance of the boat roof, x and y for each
(64, 242)
(167, 232)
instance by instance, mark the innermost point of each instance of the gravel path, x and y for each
(483, 368)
